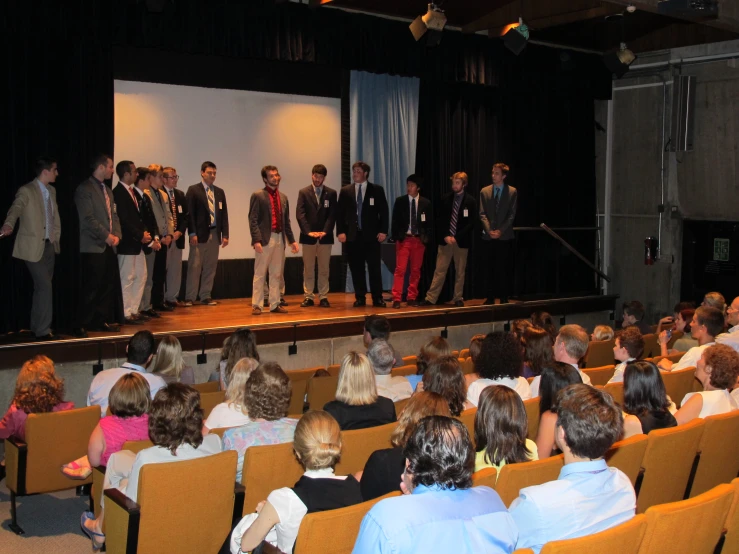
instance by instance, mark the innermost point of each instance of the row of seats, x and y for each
(600, 352)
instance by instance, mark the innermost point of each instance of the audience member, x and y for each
(381, 356)
(629, 347)
(357, 404)
(215, 375)
(232, 411)
(170, 365)
(139, 352)
(706, 325)
(553, 380)
(538, 352)
(519, 326)
(714, 300)
(444, 376)
(242, 344)
(633, 316)
(475, 349)
(546, 322)
(731, 338)
(589, 496)
(501, 426)
(439, 510)
(602, 332)
(317, 445)
(438, 346)
(384, 468)
(175, 420)
(500, 363)
(669, 322)
(570, 346)
(645, 400)
(267, 399)
(378, 327)
(684, 343)
(717, 370)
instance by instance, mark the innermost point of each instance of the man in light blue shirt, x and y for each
(439, 511)
(589, 496)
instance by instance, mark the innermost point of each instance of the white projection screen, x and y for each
(240, 131)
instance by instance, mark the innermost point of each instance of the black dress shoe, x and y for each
(107, 328)
(307, 303)
(278, 310)
(396, 305)
(424, 303)
(283, 302)
(164, 308)
(459, 303)
(324, 303)
(413, 303)
(142, 317)
(133, 321)
(488, 302)
(360, 303)
(150, 312)
(209, 302)
(79, 332)
(379, 304)
(48, 336)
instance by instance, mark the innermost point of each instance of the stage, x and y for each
(205, 327)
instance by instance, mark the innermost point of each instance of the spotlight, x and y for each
(618, 62)
(432, 23)
(517, 37)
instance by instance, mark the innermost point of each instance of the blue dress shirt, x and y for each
(587, 498)
(104, 381)
(432, 519)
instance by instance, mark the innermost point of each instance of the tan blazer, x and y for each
(162, 211)
(29, 207)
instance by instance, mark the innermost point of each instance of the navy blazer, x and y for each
(199, 214)
(316, 216)
(402, 218)
(374, 213)
(132, 224)
(465, 223)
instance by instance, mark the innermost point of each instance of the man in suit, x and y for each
(497, 212)
(101, 303)
(38, 240)
(361, 224)
(316, 214)
(208, 228)
(178, 207)
(411, 230)
(455, 221)
(131, 259)
(269, 225)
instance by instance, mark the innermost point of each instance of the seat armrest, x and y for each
(239, 493)
(16, 460)
(122, 518)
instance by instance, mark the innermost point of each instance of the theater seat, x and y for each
(600, 375)
(209, 386)
(532, 413)
(321, 391)
(468, 418)
(404, 370)
(731, 542)
(514, 477)
(628, 455)
(679, 383)
(622, 539)
(616, 390)
(357, 445)
(600, 353)
(719, 453)
(98, 473)
(487, 477)
(209, 400)
(267, 468)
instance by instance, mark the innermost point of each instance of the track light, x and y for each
(517, 37)
(618, 62)
(431, 24)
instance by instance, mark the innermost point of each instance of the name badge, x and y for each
(325, 203)
(465, 213)
(372, 201)
(115, 208)
(220, 205)
(179, 208)
(423, 217)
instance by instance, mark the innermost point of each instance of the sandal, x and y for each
(93, 535)
(73, 470)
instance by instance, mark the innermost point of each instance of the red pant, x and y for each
(413, 248)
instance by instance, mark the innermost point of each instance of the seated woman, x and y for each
(169, 364)
(646, 404)
(546, 322)
(357, 405)
(242, 344)
(444, 376)
(500, 363)
(232, 412)
(553, 380)
(501, 426)
(538, 352)
(317, 445)
(683, 318)
(175, 423)
(128, 402)
(267, 398)
(475, 348)
(438, 346)
(717, 370)
(602, 332)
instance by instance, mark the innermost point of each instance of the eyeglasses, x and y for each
(173, 177)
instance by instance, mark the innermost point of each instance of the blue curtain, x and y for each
(383, 133)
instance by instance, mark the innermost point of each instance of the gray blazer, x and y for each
(29, 207)
(94, 221)
(162, 211)
(260, 219)
(502, 218)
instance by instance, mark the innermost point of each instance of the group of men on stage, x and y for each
(131, 239)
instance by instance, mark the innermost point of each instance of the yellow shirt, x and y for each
(480, 462)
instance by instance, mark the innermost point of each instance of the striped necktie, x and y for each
(107, 207)
(49, 215)
(211, 205)
(173, 207)
(455, 216)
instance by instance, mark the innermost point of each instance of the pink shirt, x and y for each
(118, 430)
(13, 423)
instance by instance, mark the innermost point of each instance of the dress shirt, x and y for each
(49, 217)
(518, 384)
(497, 192)
(537, 380)
(691, 357)
(215, 207)
(731, 338)
(318, 191)
(618, 373)
(410, 213)
(432, 519)
(104, 381)
(356, 190)
(394, 388)
(588, 497)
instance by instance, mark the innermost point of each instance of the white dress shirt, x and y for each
(104, 381)
(691, 357)
(537, 380)
(518, 384)
(226, 414)
(618, 374)
(394, 388)
(731, 338)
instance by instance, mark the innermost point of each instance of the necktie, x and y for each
(133, 195)
(107, 207)
(414, 222)
(174, 208)
(49, 215)
(211, 205)
(318, 196)
(497, 197)
(359, 208)
(455, 215)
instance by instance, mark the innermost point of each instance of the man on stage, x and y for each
(497, 212)
(208, 228)
(411, 230)
(316, 214)
(362, 223)
(269, 224)
(178, 206)
(101, 304)
(454, 224)
(38, 240)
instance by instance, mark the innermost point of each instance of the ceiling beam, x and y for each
(728, 13)
(561, 19)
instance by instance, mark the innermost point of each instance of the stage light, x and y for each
(618, 62)
(517, 37)
(431, 24)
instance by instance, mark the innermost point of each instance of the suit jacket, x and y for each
(402, 218)
(260, 219)
(162, 210)
(316, 216)
(465, 225)
(180, 206)
(199, 215)
(502, 218)
(132, 225)
(95, 225)
(374, 212)
(29, 206)
(147, 216)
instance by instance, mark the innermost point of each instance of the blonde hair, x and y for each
(157, 168)
(356, 385)
(169, 357)
(460, 175)
(602, 332)
(236, 391)
(419, 405)
(317, 440)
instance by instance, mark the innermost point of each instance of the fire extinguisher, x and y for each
(650, 250)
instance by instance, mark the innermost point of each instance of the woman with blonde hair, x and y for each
(317, 445)
(602, 332)
(232, 412)
(357, 404)
(383, 470)
(169, 364)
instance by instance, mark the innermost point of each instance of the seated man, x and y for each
(139, 352)
(381, 356)
(629, 347)
(707, 324)
(439, 510)
(570, 346)
(378, 327)
(633, 316)
(589, 496)
(731, 337)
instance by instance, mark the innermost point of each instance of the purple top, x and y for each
(13, 423)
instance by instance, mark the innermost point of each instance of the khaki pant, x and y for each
(269, 260)
(201, 268)
(133, 273)
(444, 256)
(310, 253)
